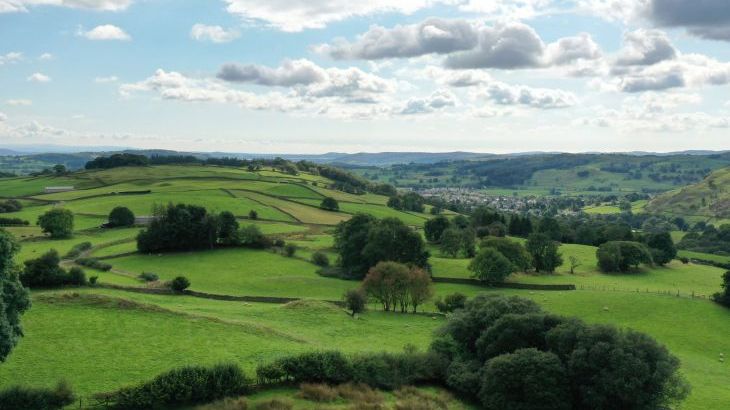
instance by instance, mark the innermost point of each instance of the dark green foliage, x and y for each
(76, 276)
(253, 215)
(179, 284)
(78, 249)
(26, 398)
(290, 249)
(148, 277)
(355, 301)
(117, 160)
(390, 371)
(183, 386)
(120, 217)
(519, 225)
(491, 266)
(14, 298)
(511, 332)
(451, 302)
(57, 222)
(435, 227)
(662, 247)
(450, 242)
(10, 205)
(395, 285)
(320, 258)
(527, 379)
(708, 239)
(512, 250)
(44, 271)
(484, 216)
(351, 237)
(13, 222)
(179, 227)
(329, 204)
(544, 252)
(94, 263)
(316, 367)
(551, 228)
(621, 256)
(252, 237)
(723, 297)
(227, 229)
(411, 201)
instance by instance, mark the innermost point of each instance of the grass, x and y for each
(704, 256)
(301, 212)
(35, 247)
(378, 211)
(239, 272)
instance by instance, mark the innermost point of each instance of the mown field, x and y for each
(101, 339)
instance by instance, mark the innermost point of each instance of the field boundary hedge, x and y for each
(529, 286)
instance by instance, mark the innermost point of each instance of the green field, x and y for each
(101, 339)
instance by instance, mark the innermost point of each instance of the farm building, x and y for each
(54, 189)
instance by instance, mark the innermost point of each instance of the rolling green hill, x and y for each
(707, 200)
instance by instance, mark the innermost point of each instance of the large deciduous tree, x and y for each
(58, 222)
(544, 252)
(14, 298)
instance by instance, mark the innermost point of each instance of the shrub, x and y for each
(44, 271)
(186, 385)
(26, 398)
(320, 258)
(94, 263)
(76, 276)
(684, 260)
(10, 205)
(393, 370)
(317, 392)
(290, 249)
(57, 222)
(148, 277)
(491, 266)
(93, 280)
(251, 237)
(179, 284)
(314, 367)
(78, 249)
(723, 297)
(253, 215)
(329, 204)
(13, 222)
(451, 302)
(121, 216)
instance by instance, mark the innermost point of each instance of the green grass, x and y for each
(303, 213)
(26, 186)
(704, 256)
(35, 247)
(239, 272)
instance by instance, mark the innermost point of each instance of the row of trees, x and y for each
(410, 201)
(397, 287)
(10, 205)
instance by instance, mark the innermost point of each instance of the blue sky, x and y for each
(310, 76)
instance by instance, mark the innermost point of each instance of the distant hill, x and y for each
(709, 198)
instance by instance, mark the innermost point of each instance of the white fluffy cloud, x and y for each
(646, 47)
(298, 15)
(438, 100)
(39, 78)
(108, 79)
(105, 32)
(3, 117)
(45, 57)
(215, 34)
(704, 18)
(12, 57)
(19, 102)
(542, 98)
(14, 6)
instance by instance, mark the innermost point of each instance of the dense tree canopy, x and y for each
(662, 247)
(179, 227)
(512, 250)
(435, 227)
(58, 222)
(544, 252)
(121, 216)
(330, 204)
(621, 256)
(491, 266)
(14, 298)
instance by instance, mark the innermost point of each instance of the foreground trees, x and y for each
(723, 297)
(59, 223)
(363, 241)
(14, 298)
(509, 354)
(396, 286)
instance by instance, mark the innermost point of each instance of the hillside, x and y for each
(708, 199)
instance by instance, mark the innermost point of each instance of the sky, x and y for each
(315, 76)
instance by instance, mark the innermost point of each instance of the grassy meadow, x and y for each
(100, 339)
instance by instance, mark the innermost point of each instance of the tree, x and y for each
(227, 229)
(574, 263)
(320, 258)
(450, 242)
(395, 202)
(544, 252)
(551, 228)
(179, 228)
(57, 222)
(329, 204)
(14, 298)
(451, 302)
(60, 169)
(351, 237)
(391, 240)
(723, 297)
(435, 227)
(512, 250)
(290, 249)
(355, 300)
(527, 379)
(620, 256)
(44, 271)
(121, 216)
(252, 237)
(420, 288)
(662, 247)
(491, 266)
(484, 216)
(386, 282)
(179, 284)
(253, 215)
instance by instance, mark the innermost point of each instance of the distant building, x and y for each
(54, 189)
(143, 220)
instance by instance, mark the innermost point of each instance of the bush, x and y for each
(94, 263)
(684, 260)
(451, 302)
(26, 398)
(723, 297)
(253, 215)
(290, 249)
(76, 276)
(314, 367)
(44, 271)
(393, 370)
(491, 266)
(320, 258)
(13, 222)
(121, 216)
(183, 386)
(148, 277)
(93, 280)
(355, 300)
(251, 237)
(179, 284)
(11, 205)
(329, 204)
(78, 249)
